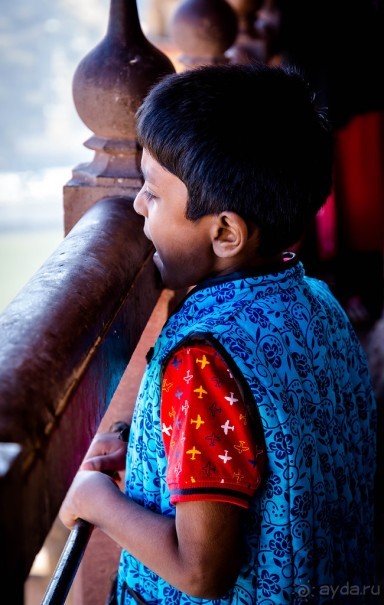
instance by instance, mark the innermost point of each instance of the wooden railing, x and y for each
(65, 342)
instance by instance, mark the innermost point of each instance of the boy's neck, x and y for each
(259, 265)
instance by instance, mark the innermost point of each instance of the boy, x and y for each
(251, 455)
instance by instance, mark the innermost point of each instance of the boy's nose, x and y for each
(139, 204)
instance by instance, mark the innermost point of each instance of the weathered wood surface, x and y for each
(65, 341)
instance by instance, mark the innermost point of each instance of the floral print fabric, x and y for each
(309, 526)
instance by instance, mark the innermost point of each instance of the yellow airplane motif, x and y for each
(200, 390)
(238, 476)
(167, 385)
(198, 422)
(204, 362)
(243, 418)
(241, 447)
(193, 453)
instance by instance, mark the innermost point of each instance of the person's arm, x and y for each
(197, 551)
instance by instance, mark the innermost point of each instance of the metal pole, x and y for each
(70, 559)
(67, 566)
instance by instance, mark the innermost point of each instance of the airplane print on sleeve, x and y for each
(206, 431)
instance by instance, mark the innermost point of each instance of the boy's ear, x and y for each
(229, 234)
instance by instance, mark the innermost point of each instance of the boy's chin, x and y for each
(158, 263)
(167, 279)
(160, 267)
(171, 279)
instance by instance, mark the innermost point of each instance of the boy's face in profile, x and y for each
(184, 253)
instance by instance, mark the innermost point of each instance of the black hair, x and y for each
(243, 138)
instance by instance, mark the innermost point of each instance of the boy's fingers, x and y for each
(101, 448)
(104, 462)
(98, 463)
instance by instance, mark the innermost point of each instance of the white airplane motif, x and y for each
(227, 428)
(188, 376)
(225, 457)
(232, 399)
(166, 429)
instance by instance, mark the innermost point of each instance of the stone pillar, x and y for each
(203, 31)
(108, 87)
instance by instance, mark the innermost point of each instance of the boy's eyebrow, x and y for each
(144, 172)
(147, 176)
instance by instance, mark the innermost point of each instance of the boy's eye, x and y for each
(148, 195)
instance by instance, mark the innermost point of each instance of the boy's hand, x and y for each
(85, 497)
(107, 453)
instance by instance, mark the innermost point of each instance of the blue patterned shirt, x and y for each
(309, 529)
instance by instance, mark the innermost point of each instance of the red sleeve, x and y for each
(206, 430)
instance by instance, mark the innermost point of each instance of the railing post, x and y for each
(108, 87)
(203, 31)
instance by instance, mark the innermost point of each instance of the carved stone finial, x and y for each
(108, 87)
(203, 31)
